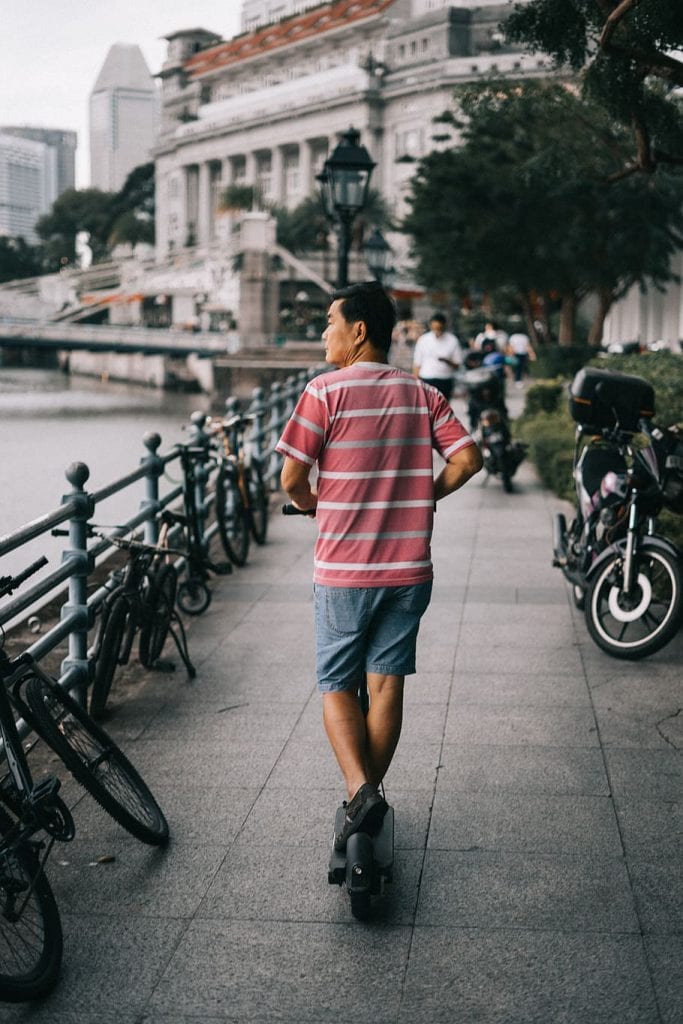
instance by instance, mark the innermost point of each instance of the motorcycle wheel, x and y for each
(638, 625)
(578, 597)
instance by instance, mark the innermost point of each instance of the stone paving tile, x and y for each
(525, 726)
(645, 773)
(283, 883)
(658, 888)
(521, 890)
(651, 828)
(285, 972)
(518, 977)
(111, 967)
(665, 955)
(507, 688)
(541, 770)
(638, 730)
(579, 825)
(140, 881)
(529, 661)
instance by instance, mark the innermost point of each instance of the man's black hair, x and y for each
(439, 317)
(369, 302)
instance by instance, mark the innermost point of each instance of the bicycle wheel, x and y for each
(108, 657)
(258, 504)
(158, 610)
(30, 930)
(95, 761)
(194, 597)
(232, 518)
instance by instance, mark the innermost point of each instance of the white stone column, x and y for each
(305, 168)
(204, 205)
(250, 169)
(277, 174)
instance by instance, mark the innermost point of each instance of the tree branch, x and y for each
(613, 19)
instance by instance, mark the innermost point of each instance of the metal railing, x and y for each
(268, 412)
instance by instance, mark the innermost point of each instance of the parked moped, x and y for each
(624, 575)
(490, 425)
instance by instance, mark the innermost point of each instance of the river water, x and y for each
(49, 420)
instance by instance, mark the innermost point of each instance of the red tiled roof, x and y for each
(312, 23)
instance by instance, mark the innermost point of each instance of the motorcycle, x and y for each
(624, 576)
(490, 425)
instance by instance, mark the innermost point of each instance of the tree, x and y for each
(77, 210)
(133, 208)
(624, 51)
(524, 202)
(19, 259)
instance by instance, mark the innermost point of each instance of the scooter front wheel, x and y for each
(637, 624)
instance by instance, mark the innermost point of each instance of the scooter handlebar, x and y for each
(292, 510)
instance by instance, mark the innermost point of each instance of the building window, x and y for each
(264, 174)
(408, 143)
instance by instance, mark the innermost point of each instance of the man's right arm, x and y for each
(295, 483)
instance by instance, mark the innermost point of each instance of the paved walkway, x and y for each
(538, 871)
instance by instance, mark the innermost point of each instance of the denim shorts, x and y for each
(366, 629)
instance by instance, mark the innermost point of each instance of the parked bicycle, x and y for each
(193, 594)
(242, 504)
(141, 600)
(30, 930)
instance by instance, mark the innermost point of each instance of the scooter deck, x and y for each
(382, 850)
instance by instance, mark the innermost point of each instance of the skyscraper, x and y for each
(63, 142)
(123, 117)
(28, 184)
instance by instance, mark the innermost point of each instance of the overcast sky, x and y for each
(51, 52)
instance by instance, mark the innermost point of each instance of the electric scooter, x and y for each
(366, 865)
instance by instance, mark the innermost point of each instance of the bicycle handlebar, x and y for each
(10, 583)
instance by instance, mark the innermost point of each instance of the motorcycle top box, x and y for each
(599, 399)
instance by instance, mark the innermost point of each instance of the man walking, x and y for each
(370, 428)
(437, 356)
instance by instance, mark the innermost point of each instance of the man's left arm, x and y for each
(460, 466)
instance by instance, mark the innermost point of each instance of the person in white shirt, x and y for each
(520, 347)
(437, 355)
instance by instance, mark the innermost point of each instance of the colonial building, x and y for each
(267, 107)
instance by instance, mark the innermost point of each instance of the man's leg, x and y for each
(346, 730)
(383, 724)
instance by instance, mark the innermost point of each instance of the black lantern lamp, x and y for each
(378, 255)
(344, 181)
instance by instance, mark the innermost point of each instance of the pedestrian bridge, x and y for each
(43, 334)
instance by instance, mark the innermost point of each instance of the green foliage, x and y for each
(303, 229)
(628, 63)
(19, 259)
(543, 396)
(664, 370)
(564, 361)
(525, 202)
(237, 197)
(550, 437)
(107, 217)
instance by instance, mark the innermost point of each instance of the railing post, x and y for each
(257, 409)
(75, 671)
(201, 439)
(277, 408)
(154, 467)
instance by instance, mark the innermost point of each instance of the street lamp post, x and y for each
(344, 181)
(378, 255)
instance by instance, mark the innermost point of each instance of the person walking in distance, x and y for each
(437, 355)
(370, 428)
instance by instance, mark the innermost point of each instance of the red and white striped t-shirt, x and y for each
(371, 428)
